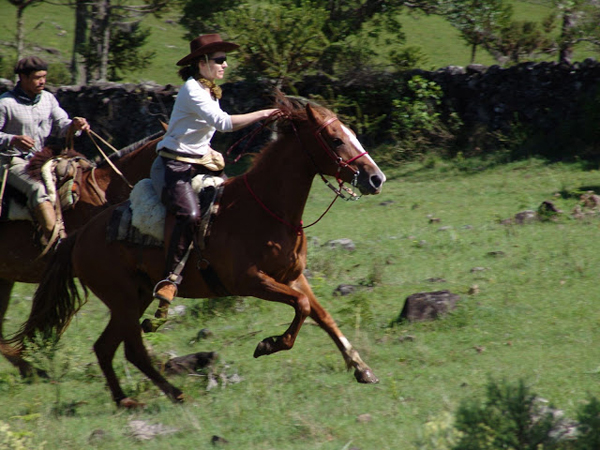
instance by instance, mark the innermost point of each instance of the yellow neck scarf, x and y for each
(215, 90)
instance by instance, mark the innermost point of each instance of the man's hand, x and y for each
(23, 143)
(80, 123)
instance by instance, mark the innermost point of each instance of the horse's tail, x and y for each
(56, 299)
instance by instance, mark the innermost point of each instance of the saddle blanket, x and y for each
(141, 219)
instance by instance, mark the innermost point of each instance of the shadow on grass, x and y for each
(577, 192)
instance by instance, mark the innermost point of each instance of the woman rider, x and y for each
(185, 149)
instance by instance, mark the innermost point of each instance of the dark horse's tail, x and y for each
(55, 301)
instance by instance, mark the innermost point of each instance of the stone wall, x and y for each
(542, 96)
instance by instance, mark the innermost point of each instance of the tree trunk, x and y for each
(105, 43)
(20, 31)
(78, 72)
(565, 54)
(99, 41)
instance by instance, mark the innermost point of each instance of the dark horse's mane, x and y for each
(37, 161)
(128, 149)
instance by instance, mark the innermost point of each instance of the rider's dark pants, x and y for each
(181, 200)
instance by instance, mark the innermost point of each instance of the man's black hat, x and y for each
(30, 64)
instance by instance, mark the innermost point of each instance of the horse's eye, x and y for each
(337, 142)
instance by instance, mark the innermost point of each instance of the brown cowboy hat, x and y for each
(204, 45)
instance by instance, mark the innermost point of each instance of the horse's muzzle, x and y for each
(370, 182)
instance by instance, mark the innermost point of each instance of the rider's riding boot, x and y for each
(46, 218)
(166, 289)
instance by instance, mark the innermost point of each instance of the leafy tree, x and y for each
(518, 40)
(107, 18)
(578, 21)
(289, 39)
(22, 5)
(278, 40)
(478, 21)
(124, 51)
(198, 15)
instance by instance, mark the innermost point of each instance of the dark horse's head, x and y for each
(335, 149)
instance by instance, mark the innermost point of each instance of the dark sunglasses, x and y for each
(219, 60)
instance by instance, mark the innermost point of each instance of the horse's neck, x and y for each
(134, 166)
(282, 179)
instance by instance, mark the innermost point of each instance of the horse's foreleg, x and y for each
(273, 291)
(12, 354)
(362, 372)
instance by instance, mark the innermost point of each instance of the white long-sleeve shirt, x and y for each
(194, 119)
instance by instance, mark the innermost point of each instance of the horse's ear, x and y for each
(313, 114)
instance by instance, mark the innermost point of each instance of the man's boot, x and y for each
(46, 218)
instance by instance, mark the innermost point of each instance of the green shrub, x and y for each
(511, 418)
(589, 426)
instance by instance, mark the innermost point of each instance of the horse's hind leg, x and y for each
(362, 372)
(105, 348)
(11, 354)
(118, 330)
(5, 290)
(136, 353)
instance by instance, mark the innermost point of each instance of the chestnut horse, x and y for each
(99, 188)
(256, 247)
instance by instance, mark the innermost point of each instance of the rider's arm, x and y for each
(5, 138)
(243, 120)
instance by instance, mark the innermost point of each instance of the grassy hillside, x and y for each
(527, 311)
(50, 32)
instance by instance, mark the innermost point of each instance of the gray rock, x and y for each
(428, 305)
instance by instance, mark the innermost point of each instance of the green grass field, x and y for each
(533, 318)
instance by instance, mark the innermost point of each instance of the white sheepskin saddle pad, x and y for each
(147, 211)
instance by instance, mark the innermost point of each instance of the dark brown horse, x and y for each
(98, 188)
(256, 247)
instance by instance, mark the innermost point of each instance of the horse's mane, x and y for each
(293, 111)
(37, 161)
(128, 149)
(293, 116)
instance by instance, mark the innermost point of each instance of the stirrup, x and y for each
(171, 279)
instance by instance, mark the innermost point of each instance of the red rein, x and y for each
(334, 156)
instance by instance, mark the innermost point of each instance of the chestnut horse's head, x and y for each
(340, 154)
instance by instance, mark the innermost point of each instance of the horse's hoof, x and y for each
(179, 399)
(147, 326)
(265, 347)
(130, 403)
(151, 325)
(29, 373)
(365, 376)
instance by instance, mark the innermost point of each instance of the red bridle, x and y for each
(338, 191)
(333, 155)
